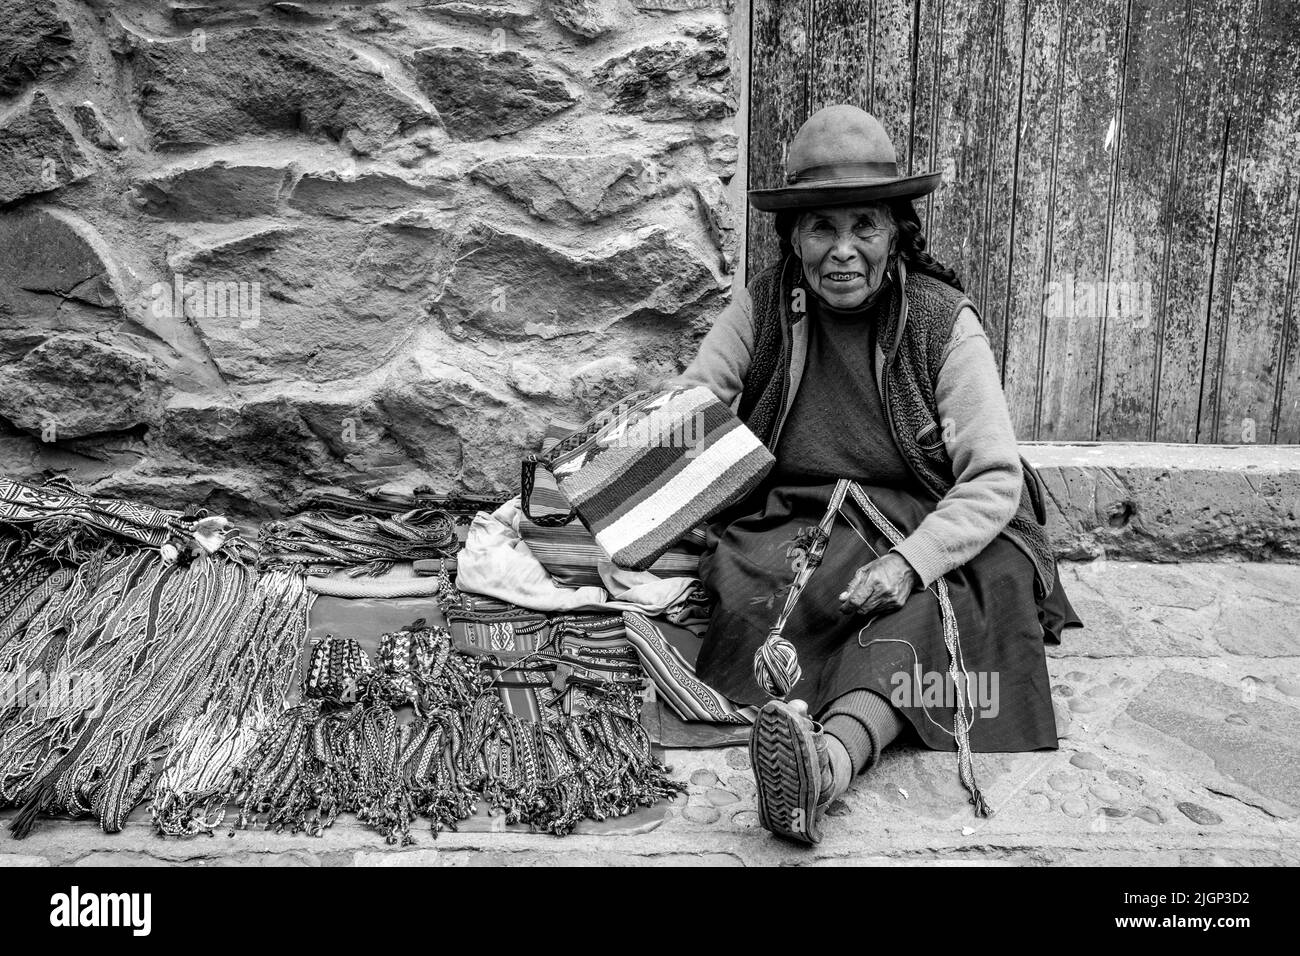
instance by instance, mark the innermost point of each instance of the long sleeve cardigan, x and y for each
(977, 434)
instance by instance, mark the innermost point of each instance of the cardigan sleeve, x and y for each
(725, 352)
(981, 443)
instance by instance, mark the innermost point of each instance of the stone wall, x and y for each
(248, 248)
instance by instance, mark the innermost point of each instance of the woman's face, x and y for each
(845, 251)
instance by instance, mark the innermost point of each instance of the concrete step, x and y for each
(1163, 502)
(1194, 609)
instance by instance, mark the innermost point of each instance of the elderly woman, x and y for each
(857, 356)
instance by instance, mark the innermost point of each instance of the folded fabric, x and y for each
(573, 557)
(668, 730)
(693, 609)
(498, 563)
(650, 593)
(495, 561)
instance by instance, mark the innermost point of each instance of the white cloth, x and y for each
(496, 562)
(651, 594)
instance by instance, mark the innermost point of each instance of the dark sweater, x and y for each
(837, 427)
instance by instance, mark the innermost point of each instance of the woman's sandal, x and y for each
(787, 770)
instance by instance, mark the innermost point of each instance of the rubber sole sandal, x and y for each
(787, 773)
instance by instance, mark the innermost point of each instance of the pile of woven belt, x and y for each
(150, 655)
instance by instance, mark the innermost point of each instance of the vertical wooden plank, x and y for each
(928, 92)
(892, 32)
(779, 91)
(1029, 267)
(862, 54)
(1212, 67)
(973, 142)
(1090, 131)
(1003, 181)
(1252, 282)
(1141, 231)
(1286, 413)
(841, 60)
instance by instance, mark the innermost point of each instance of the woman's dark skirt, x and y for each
(751, 562)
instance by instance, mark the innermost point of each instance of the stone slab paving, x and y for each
(1180, 711)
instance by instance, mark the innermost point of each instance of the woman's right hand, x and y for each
(881, 586)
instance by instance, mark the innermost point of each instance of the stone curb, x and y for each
(1167, 502)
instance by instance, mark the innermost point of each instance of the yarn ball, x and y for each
(776, 665)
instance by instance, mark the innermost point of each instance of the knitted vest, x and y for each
(913, 358)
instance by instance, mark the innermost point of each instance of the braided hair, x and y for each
(911, 241)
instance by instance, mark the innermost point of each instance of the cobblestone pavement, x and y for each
(1183, 747)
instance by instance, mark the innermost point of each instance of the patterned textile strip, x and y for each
(153, 641)
(18, 592)
(688, 696)
(192, 790)
(956, 667)
(16, 620)
(319, 543)
(21, 503)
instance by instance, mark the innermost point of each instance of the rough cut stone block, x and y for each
(38, 151)
(489, 93)
(218, 192)
(232, 85)
(35, 42)
(572, 188)
(366, 197)
(673, 78)
(494, 291)
(55, 275)
(70, 386)
(587, 18)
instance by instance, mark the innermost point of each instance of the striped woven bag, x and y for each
(647, 469)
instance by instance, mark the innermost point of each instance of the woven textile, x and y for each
(139, 650)
(568, 551)
(22, 504)
(550, 764)
(674, 677)
(644, 472)
(319, 542)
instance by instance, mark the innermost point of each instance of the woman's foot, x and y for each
(793, 769)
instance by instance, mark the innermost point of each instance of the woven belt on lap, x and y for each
(776, 662)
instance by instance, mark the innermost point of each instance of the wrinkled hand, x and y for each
(883, 585)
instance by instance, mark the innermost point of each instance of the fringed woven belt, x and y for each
(319, 542)
(129, 633)
(191, 653)
(343, 748)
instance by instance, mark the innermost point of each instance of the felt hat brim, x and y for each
(843, 192)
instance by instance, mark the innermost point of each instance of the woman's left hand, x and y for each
(882, 585)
